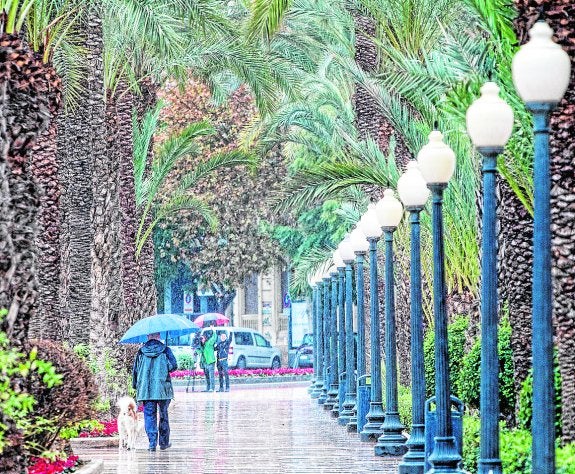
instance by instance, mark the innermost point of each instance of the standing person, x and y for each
(207, 341)
(151, 380)
(222, 347)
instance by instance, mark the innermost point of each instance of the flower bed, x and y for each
(107, 428)
(180, 374)
(45, 466)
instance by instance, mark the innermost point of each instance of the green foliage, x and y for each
(108, 368)
(515, 449)
(471, 427)
(74, 429)
(468, 383)
(17, 405)
(185, 361)
(526, 400)
(456, 340)
(404, 406)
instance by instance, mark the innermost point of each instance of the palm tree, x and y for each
(51, 31)
(29, 97)
(559, 15)
(80, 153)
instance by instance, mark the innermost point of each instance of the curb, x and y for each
(96, 442)
(95, 466)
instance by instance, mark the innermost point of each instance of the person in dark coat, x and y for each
(222, 348)
(151, 380)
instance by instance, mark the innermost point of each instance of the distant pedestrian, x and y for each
(222, 347)
(151, 380)
(207, 341)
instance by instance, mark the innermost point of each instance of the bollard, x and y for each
(363, 401)
(431, 427)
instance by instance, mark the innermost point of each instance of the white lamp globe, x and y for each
(346, 250)
(358, 241)
(332, 271)
(337, 260)
(369, 223)
(389, 210)
(412, 188)
(541, 68)
(489, 119)
(436, 160)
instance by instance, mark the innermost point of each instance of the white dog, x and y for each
(128, 423)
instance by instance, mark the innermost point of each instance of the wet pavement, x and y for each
(252, 429)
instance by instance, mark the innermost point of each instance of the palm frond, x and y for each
(266, 17)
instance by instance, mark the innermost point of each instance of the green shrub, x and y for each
(471, 426)
(469, 381)
(185, 361)
(456, 340)
(64, 404)
(73, 430)
(404, 406)
(516, 451)
(526, 400)
(566, 459)
(16, 404)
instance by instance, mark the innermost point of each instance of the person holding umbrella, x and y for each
(153, 385)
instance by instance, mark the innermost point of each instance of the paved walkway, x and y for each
(251, 430)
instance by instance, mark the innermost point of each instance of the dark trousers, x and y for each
(209, 371)
(151, 408)
(223, 373)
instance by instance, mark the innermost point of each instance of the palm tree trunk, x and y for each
(45, 323)
(29, 97)
(560, 15)
(517, 229)
(147, 292)
(81, 146)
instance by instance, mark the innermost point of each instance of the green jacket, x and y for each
(208, 353)
(151, 373)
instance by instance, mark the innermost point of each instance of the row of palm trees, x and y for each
(349, 89)
(83, 186)
(413, 63)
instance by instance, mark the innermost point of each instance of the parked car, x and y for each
(248, 348)
(304, 352)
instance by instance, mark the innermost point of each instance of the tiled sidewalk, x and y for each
(251, 430)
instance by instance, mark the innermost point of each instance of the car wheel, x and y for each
(276, 363)
(241, 363)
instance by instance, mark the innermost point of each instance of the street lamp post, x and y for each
(348, 256)
(327, 340)
(437, 164)
(371, 227)
(340, 265)
(392, 441)
(311, 283)
(333, 392)
(541, 72)
(360, 246)
(414, 194)
(489, 124)
(320, 384)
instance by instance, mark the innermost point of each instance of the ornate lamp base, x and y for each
(375, 418)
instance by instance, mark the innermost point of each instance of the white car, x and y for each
(248, 348)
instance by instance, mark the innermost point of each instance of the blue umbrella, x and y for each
(174, 324)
